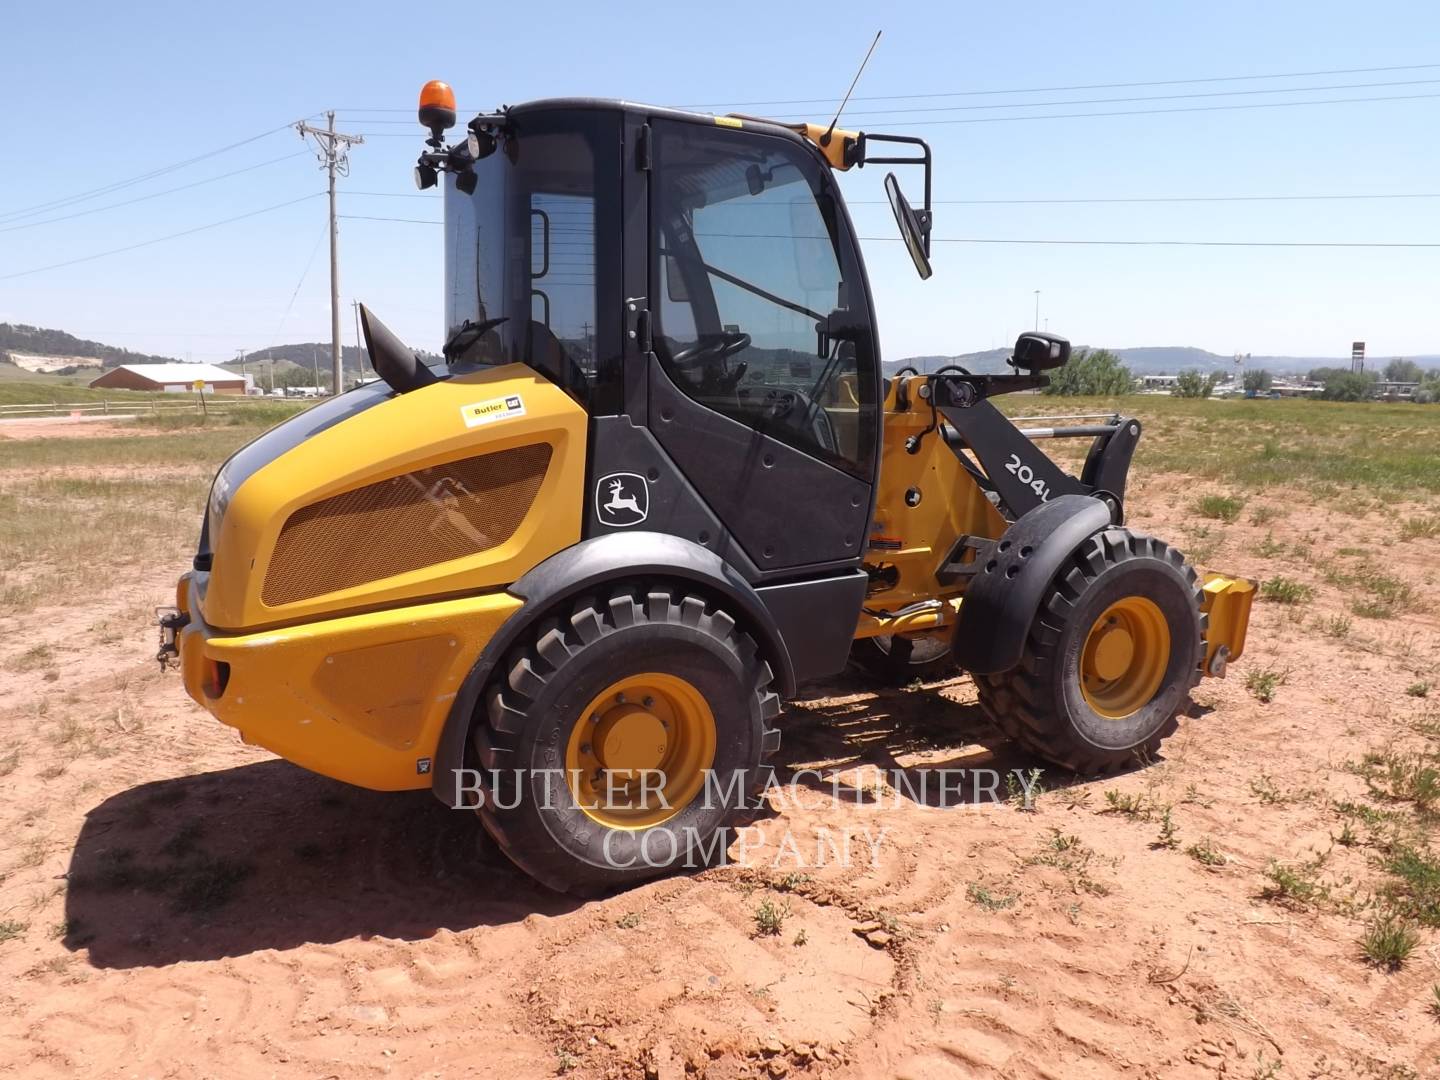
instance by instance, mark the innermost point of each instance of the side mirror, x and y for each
(1035, 351)
(912, 231)
(398, 366)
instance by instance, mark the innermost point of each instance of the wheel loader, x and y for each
(661, 481)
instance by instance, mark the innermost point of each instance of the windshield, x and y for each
(760, 314)
(521, 253)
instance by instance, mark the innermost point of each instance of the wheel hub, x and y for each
(629, 739)
(1125, 656)
(639, 752)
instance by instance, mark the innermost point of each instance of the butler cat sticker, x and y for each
(487, 412)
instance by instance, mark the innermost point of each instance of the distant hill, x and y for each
(311, 354)
(38, 341)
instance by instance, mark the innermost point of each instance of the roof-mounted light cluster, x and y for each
(437, 112)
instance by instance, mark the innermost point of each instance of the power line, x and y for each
(1017, 90)
(84, 196)
(159, 239)
(1118, 100)
(153, 195)
(980, 240)
(905, 124)
(905, 110)
(1086, 86)
(275, 338)
(1182, 109)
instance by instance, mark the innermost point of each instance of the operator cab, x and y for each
(695, 283)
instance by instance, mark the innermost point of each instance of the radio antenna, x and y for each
(825, 139)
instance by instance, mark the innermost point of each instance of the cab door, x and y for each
(763, 384)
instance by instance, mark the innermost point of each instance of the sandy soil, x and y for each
(78, 427)
(184, 905)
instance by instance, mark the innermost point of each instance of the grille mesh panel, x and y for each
(404, 524)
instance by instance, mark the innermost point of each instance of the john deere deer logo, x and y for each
(622, 500)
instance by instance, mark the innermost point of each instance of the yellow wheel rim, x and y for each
(639, 752)
(1125, 657)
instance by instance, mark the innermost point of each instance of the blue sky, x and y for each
(102, 92)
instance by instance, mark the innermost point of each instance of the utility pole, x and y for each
(1037, 309)
(315, 366)
(334, 152)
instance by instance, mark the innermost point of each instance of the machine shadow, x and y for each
(269, 856)
(850, 725)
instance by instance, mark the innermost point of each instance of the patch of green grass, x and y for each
(1169, 832)
(1420, 528)
(1283, 590)
(1206, 853)
(983, 897)
(1418, 689)
(1220, 507)
(1296, 885)
(629, 921)
(770, 917)
(1263, 683)
(1336, 626)
(1263, 788)
(1322, 449)
(1416, 889)
(1131, 806)
(1402, 777)
(1378, 595)
(1433, 1005)
(1263, 515)
(1024, 796)
(1269, 547)
(10, 929)
(1388, 941)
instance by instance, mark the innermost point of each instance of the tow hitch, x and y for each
(171, 621)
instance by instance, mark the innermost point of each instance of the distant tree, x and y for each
(1193, 384)
(1325, 374)
(1257, 381)
(1399, 370)
(1092, 372)
(1349, 386)
(1427, 393)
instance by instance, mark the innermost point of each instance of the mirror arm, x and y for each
(862, 158)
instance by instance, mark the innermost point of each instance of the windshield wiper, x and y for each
(466, 335)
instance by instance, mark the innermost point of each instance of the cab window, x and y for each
(760, 310)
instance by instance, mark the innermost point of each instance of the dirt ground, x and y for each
(174, 903)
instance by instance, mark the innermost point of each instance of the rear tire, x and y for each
(899, 660)
(557, 692)
(1094, 716)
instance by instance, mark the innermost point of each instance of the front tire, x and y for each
(624, 739)
(1110, 659)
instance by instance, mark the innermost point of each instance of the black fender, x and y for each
(614, 556)
(1003, 597)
